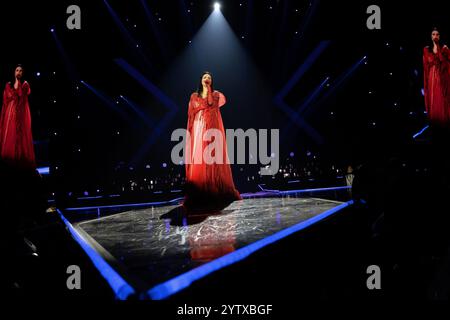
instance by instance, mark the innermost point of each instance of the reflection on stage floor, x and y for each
(158, 243)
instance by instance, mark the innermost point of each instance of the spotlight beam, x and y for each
(187, 21)
(312, 96)
(153, 136)
(293, 116)
(138, 110)
(147, 84)
(71, 70)
(107, 101)
(173, 109)
(155, 31)
(313, 56)
(249, 21)
(133, 44)
(302, 28)
(341, 80)
(306, 103)
(420, 132)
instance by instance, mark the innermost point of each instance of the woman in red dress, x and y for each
(436, 67)
(16, 141)
(209, 182)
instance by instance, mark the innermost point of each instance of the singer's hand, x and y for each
(435, 47)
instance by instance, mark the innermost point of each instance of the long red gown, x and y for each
(16, 140)
(207, 184)
(436, 67)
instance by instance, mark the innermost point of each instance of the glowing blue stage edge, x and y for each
(420, 132)
(43, 170)
(170, 287)
(123, 290)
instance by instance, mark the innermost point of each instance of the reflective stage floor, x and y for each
(159, 251)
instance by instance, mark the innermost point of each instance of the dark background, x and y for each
(401, 224)
(84, 140)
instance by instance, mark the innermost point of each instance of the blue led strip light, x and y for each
(156, 203)
(176, 200)
(43, 170)
(315, 190)
(184, 280)
(420, 132)
(121, 288)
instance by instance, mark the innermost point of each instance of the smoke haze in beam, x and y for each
(217, 49)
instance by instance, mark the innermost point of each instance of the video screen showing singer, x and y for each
(16, 140)
(436, 67)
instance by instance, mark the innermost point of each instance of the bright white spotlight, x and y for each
(216, 6)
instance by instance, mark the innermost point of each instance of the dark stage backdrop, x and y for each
(132, 56)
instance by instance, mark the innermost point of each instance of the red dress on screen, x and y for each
(436, 67)
(207, 183)
(16, 140)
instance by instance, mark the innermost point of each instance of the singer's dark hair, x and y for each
(11, 83)
(200, 85)
(431, 46)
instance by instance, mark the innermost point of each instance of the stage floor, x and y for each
(152, 246)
